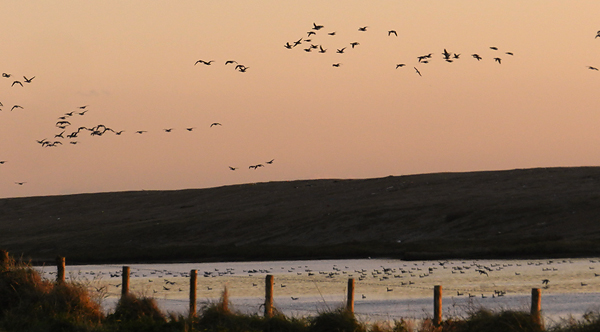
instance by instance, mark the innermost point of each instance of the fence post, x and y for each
(536, 306)
(437, 305)
(350, 300)
(193, 282)
(269, 296)
(4, 259)
(60, 269)
(125, 282)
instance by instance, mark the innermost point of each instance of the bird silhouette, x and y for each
(168, 130)
(6, 75)
(321, 49)
(16, 106)
(418, 72)
(233, 61)
(204, 62)
(17, 82)
(354, 44)
(288, 46)
(336, 64)
(392, 32)
(331, 33)
(310, 33)
(494, 48)
(363, 28)
(400, 65)
(20, 183)
(498, 60)
(592, 68)
(270, 161)
(215, 124)
(476, 56)
(317, 27)
(232, 168)
(141, 131)
(190, 128)
(28, 80)
(340, 50)
(509, 53)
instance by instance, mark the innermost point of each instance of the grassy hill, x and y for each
(545, 212)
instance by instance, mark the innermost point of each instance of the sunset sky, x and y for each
(133, 64)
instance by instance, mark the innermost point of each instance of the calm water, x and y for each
(374, 306)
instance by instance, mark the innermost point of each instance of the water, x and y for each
(385, 289)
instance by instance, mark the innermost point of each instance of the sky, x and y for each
(134, 66)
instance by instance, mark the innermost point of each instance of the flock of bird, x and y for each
(312, 45)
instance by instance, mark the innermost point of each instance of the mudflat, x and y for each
(541, 212)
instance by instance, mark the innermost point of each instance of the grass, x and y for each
(32, 304)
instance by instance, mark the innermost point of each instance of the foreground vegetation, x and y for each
(30, 303)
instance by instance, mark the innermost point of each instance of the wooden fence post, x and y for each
(437, 305)
(4, 259)
(193, 282)
(350, 300)
(536, 306)
(269, 296)
(125, 282)
(60, 269)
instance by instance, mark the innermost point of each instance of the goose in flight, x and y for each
(340, 50)
(597, 34)
(297, 42)
(418, 72)
(354, 44)
(17, 82)
(288, 45)
(16, 106)
(168, 130)
(310, 33)
(233, 61)
(392, 32)
(141, 131)
(476, 56)
(363, 28)
(494, 48)
(83, 107)
(215, 124)
(336, 64)
(190, 128)
(509, 53)
(60, 135)
(592, 68)
(446, 54)
(317, 27)
(321, 49)
(498, 60)
(270, 161)
(331, 33)
(82, 113)
(400, 65)
(6, 75)
(28, 80)
(2, 162)
(204, 62)
(232, 168)
(20, 183)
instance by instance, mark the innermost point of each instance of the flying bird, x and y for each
(17, 82)
(83, 107)
(270, 161)
(310, 33)
(597, 34)
(233, 61)
(168, 130)
(354, 44)
(232, 168)
(331, 33)
(392, 32)
(336, 64)
(288, 46)
(494, 48)
(20, 183)
(363, 28)
(340, 50)
(16, 106)
(317, 27)
(321, 49)
(418, 72)
(400, 65)
(141, 131)
(190, 128)
(28, 80)
(215, 124)
(6, 75)
(509, 53)
(498, 60)
(592, 68)
(476, 56)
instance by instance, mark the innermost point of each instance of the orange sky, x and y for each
(132, 62)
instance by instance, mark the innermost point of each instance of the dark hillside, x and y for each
(516, 213)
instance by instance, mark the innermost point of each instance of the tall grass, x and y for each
(33, 304)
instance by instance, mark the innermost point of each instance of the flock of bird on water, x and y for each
(386, 278)
(98, 130)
